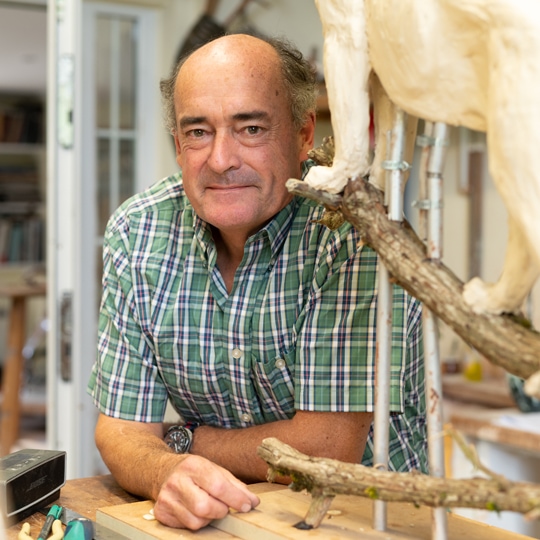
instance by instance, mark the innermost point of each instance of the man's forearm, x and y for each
(334, 435)
(236, 449)
(141, 446)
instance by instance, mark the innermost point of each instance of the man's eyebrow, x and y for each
(251, 115)
(186, 121)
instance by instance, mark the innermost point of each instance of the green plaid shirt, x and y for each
(297, 332)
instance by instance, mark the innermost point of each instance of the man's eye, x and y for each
(195, 133)
(253, 130)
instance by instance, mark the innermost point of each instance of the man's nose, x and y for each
(224, 154)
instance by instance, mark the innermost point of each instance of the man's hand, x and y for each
(190, 491)
(198, 491)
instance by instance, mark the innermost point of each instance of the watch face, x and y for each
(179, 439)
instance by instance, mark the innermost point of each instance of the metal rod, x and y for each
(382, 388)
(397, 150)
(435, 416)
(425, 143)
(433, 179)
(394, 193)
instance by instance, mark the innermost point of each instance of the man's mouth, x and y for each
(229, 188)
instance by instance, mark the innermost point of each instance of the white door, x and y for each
(102, 120)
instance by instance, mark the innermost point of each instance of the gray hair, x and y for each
(299, 78)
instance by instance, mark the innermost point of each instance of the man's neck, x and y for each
(230, 252)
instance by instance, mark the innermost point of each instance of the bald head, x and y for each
(229, 66)
(269, 60)
(238, 50)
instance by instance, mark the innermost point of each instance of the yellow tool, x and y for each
(57, 531)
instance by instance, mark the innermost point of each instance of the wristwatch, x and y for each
(179, 438)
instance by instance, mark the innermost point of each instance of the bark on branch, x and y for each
(505, 340)
(325, 478)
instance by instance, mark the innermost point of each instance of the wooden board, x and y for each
(490, 393)
(126, 520)
(281, 509)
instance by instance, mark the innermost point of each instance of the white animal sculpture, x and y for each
(472, 63)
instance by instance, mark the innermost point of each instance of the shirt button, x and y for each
(280, 363)
(237, 353)
(245, 417)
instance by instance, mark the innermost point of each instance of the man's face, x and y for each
(236, 143)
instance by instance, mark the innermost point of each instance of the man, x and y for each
(223, 295)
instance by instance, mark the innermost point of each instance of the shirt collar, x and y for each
(275, 231)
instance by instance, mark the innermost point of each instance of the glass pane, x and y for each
(103, 184)
(127, 169)
(103, 71)
(126, 72)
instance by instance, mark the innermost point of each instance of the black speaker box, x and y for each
(30, 480)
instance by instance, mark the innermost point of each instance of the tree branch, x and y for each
(505, 340)
(325, 478)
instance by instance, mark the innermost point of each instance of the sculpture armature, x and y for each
(473, 63)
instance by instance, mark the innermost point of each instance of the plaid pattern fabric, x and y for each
(297, 332)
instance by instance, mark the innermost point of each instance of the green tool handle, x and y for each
(79, 529)
(54, 513)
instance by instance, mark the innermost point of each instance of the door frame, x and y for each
(71, 211)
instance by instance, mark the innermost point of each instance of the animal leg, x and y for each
(513, 120)
(384, 114)
(519, 273)
(346, 67)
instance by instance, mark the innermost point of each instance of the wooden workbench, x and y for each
(86, 495)
(481, 423)
(506, 441)
(493, 393)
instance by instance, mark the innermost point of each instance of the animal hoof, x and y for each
(482, 298)
(532, 385)
(330, 179)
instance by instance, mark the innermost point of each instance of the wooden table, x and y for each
(10, 409)
(86, 495)
(480, 423)
(511, 451)
(492, 393)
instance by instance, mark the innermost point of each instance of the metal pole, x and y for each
(382, 388)
(431, 338)
(394, 195)
(424, 141)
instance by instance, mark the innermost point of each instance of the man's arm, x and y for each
(189, 490)
(334, 435)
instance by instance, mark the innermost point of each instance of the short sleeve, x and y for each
(125, 382)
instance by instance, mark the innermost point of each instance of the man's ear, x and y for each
(307, 136)
(177, 147)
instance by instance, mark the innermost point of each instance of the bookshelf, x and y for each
(22, 184)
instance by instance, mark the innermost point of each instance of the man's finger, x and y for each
(178, 516)
(225, 487)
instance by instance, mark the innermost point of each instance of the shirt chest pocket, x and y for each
(273, 381)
